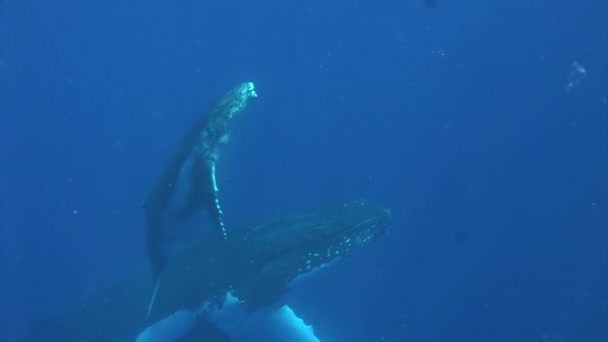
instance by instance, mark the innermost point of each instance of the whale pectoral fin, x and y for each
(285, 325)
(211, 199)
(156, 283)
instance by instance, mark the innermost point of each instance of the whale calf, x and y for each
(188, 182)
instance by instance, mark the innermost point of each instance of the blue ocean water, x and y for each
(482, 125)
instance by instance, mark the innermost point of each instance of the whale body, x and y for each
(223, 291)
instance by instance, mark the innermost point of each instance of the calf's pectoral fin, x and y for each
(211, 198)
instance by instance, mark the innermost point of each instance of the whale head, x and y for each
(286, 250)
(229, 106)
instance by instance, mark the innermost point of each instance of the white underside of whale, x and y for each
(269, 324)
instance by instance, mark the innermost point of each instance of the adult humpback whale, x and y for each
(215, 291)
(188, 182)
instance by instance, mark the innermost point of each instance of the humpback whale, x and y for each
(221, 291)
(188, 182)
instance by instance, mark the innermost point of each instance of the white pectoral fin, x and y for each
(270, 325)
(285, 325)
(154, 293)
(169, 328)
(267, 324)
(213, 203)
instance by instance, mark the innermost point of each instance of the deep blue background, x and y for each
(459, 117)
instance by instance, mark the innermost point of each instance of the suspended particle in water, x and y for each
(439, 51)
(577, 73)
